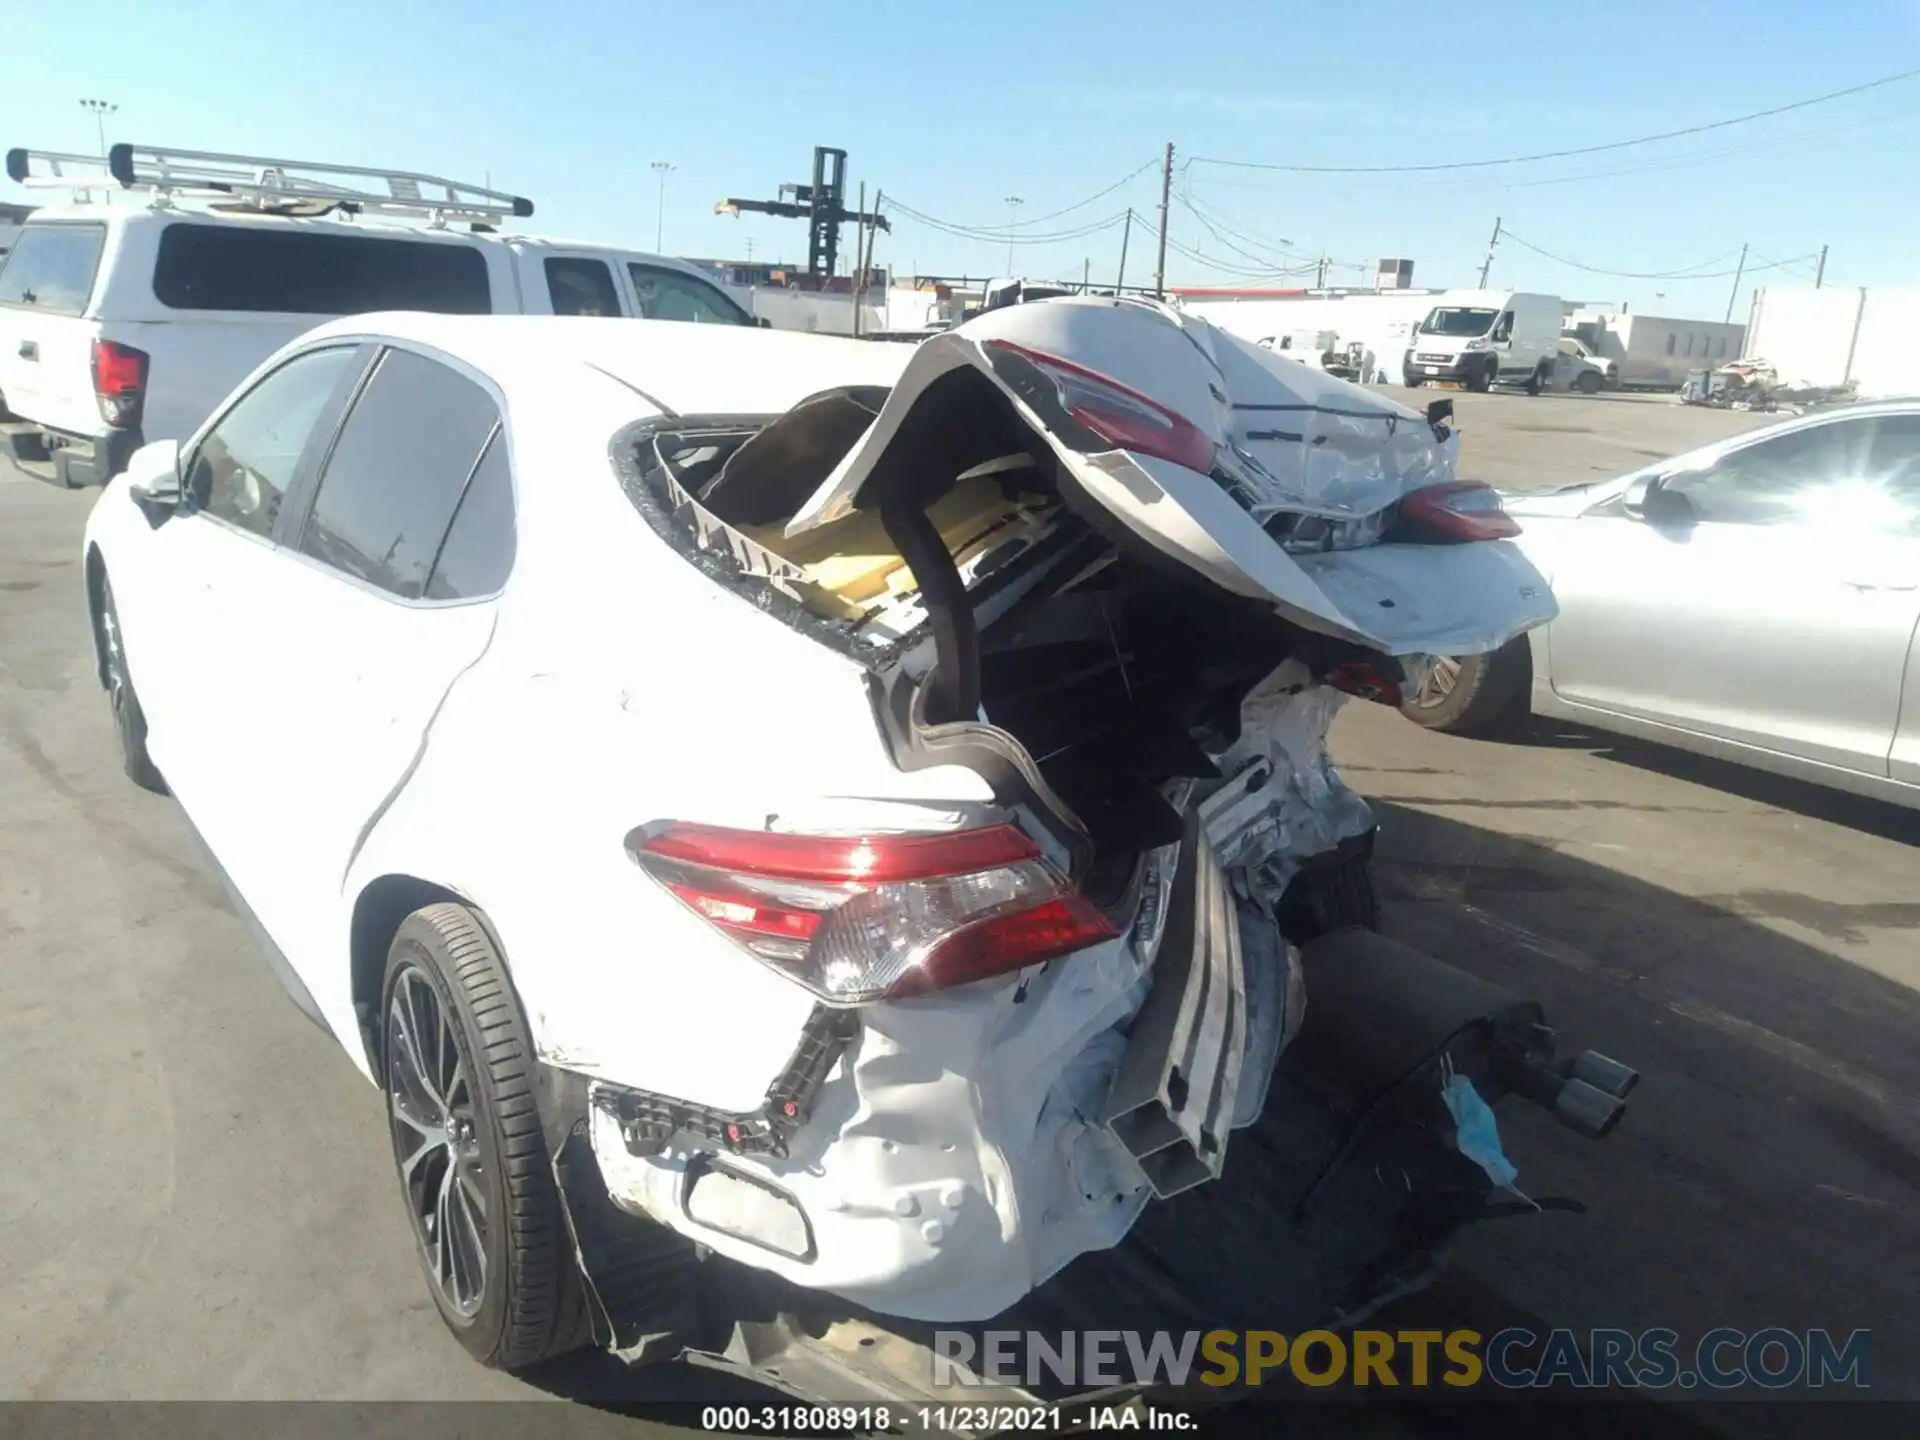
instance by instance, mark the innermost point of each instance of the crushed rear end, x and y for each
(1126, 569)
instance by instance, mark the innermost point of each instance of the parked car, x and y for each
(1757, 599)
(123, 323)
(856, 816)
(1583, 370)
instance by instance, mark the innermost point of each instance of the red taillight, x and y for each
(1459, 510)
(1123, 418)
(875, 917)
(119, 382)
(879, 861)
(1366, 681)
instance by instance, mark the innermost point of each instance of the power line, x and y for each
(1000, 232)
(1692, 272)
(1002, 235)
(1831, 95)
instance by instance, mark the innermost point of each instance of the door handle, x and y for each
(29, 350)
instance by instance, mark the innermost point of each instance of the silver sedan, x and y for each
(1756, 600)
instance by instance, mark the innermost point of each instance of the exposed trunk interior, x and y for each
(986, 595)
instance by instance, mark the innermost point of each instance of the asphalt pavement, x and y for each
(199, 1202)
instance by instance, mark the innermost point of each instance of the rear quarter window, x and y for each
(311, 272)
(51, 267)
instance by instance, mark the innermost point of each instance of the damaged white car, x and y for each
(810, 834)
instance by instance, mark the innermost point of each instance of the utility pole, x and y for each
(662, 169)
(1126, 234)
(1166, 194)
(1320, 274)
(1820, 270)
(1086, 273)
(100, 109)
(1486, 266)
(859, 261)
(1014, 202)
(1739, 270)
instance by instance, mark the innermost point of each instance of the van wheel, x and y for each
(458, 1068)
(1481, 380)
(1474, 694)
(129, 720)
(1537, 381)
(1588, 382)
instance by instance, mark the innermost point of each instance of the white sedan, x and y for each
(1757, 600)
(660, 659)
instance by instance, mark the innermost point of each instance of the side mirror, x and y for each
(153, 477)
(1649, 500)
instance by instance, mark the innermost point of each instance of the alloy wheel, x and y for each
(1438, 684)
(436, 1140)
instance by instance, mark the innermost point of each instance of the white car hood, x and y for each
(1291, 441)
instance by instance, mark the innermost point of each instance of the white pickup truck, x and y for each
(122, 324)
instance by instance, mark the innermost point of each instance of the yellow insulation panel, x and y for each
(854, 558)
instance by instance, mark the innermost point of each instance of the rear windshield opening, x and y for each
(732, 490)
(52, 266)
(296, 271)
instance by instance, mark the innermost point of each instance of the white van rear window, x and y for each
(309, 272)
(51, 267)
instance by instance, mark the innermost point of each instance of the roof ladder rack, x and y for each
(57, 170)
(274, 187)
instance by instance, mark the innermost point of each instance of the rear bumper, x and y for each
(78, 461)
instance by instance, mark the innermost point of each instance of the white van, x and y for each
(124, 323)
(1486, 337)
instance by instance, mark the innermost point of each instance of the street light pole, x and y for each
(1014, 202)
(663, 169)
(100, 109)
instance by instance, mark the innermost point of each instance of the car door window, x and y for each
(1781, 480)
(581, 287)
(478, 551)
(1893, 501)
(668, 295)
(244, 467)
(396, 474)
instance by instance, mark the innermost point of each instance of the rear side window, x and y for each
(581, 287)
(51, 267)
(669, 295)
(390, 488)
(311, 272)
(478, 551)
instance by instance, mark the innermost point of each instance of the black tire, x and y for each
(528, 1303)
(1488, 692)
(129, 720)
(1588, 382)
(1414, 382)
(1481, 380)
(1537, 381)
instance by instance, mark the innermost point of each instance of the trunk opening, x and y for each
(1007, 621)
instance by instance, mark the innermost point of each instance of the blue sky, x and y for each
(569, 104)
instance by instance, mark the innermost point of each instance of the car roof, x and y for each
(682, 367)
(380, 227)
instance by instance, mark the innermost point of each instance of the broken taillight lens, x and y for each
(1365, 680)
(875, 917)
(1123, 418)
(1458, 510)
